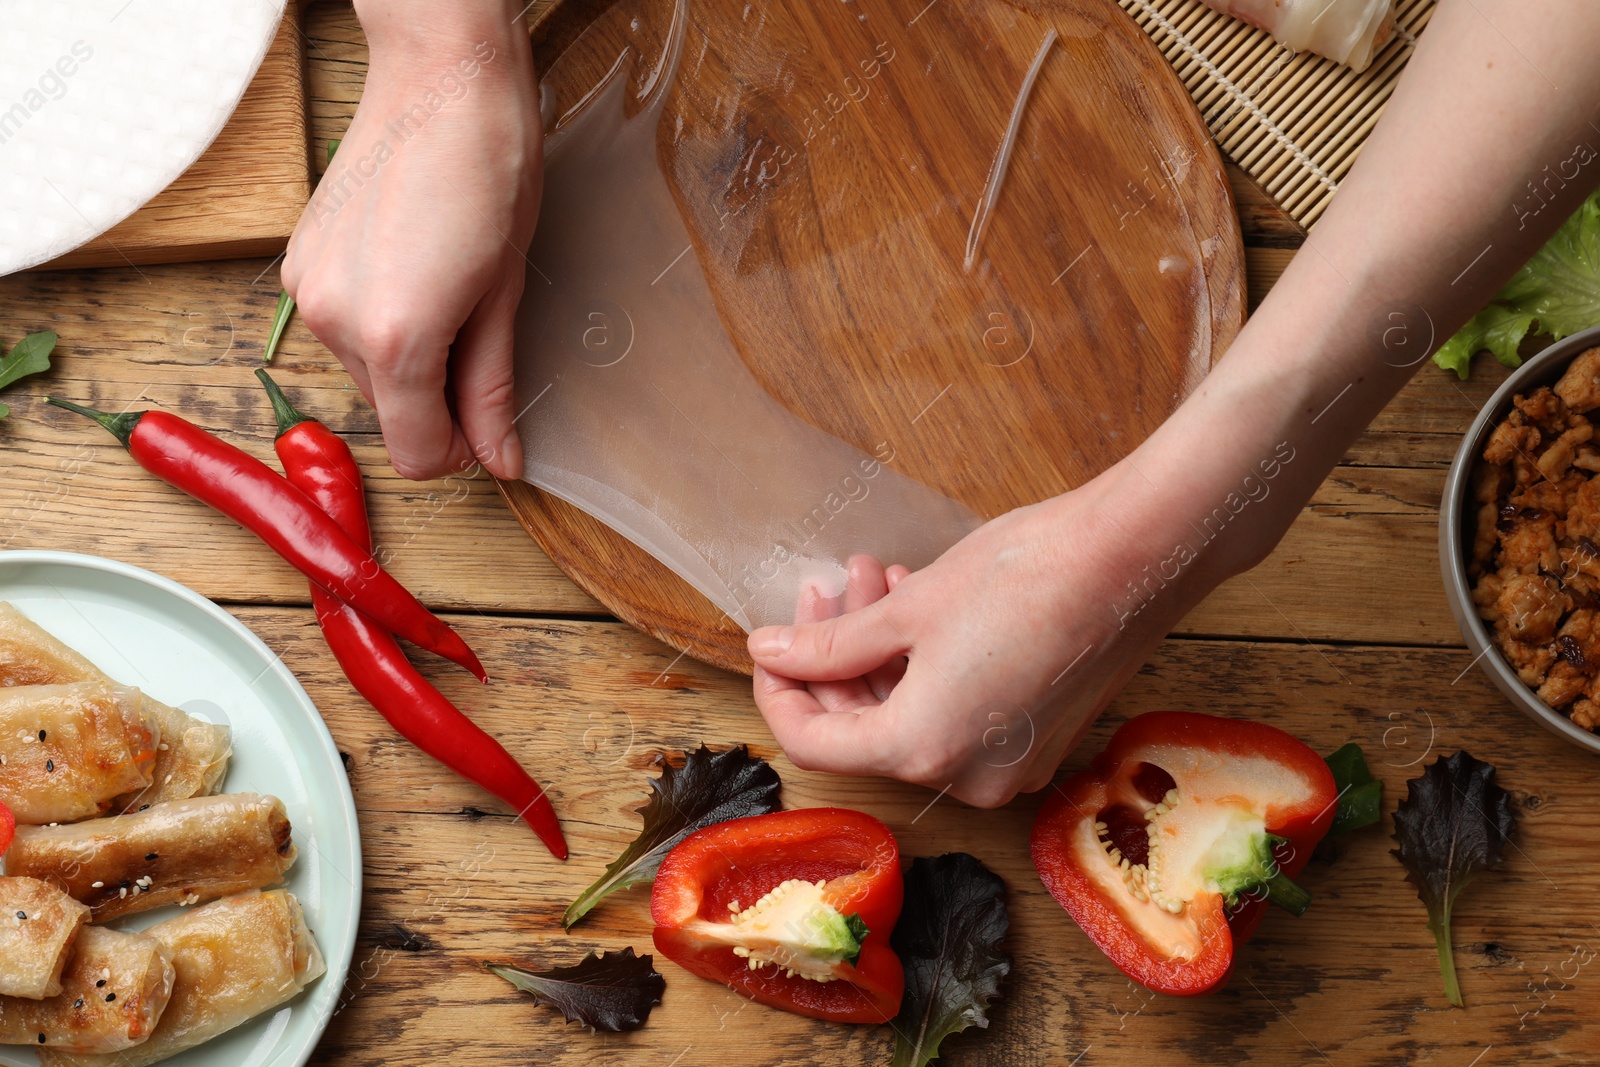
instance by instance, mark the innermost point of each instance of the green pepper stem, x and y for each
(1284, 892)
(288, 418)
(121, 426)
(1447, 961)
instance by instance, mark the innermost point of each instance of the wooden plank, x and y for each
(243, 196)
(1355, 978)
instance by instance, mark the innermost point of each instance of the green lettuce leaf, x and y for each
(1557, 292)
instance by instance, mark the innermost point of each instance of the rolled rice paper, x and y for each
(67, 751)
(235, 959)
(192, 758)
(180, 852)
(115, 989)
(1346, 31)
(39, 925)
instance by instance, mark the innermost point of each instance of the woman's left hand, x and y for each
(978, 674)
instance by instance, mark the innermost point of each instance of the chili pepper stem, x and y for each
(121, 426)
(1284, 892)
(288, 418)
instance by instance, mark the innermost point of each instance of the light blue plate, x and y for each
(174, 644)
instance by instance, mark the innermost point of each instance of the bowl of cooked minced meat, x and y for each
(1519, 538)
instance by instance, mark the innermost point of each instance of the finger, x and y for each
(864, 583)
(895, 575)
(481, 374)
(812, 737)
(846, 647)
(867, 584)
(424, 441)
(851, 694)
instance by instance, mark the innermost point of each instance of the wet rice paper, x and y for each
(193, 757)
(1346, 31)
(67, 751)
(180, 852)
(235, 959)
(39, 925)
(116, 986)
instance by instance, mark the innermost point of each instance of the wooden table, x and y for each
(1343, 634)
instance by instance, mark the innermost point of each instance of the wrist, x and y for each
(425, 34)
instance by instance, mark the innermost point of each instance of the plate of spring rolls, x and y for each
(185, 881)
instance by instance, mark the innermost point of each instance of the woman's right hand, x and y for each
(408, 263)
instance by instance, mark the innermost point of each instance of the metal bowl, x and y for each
(1457, 513)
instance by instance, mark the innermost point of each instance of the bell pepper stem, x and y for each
(1284, 892)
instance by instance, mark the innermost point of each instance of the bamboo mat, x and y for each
(1293, 122)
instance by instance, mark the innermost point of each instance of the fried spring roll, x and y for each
(67, 751)
(39, 924)
(180, 852)
(114, 991)
(235, 959)
(192, 758)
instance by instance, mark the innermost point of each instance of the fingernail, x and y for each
(511, 455)
(771, 641)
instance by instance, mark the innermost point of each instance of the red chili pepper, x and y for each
(8, 828)
(251, 494)
(792, 909)
(1167, 848)
(318, 461)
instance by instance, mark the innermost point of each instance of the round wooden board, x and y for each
(828, 161)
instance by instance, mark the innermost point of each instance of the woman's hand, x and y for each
(1010, 644)
(408, 262)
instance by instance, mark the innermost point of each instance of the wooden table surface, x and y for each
(1343, 634)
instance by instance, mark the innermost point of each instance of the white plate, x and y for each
(174, 644)
(104, 102)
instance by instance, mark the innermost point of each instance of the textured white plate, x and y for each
(147, 631)
(104, 102)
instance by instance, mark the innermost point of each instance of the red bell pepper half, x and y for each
(792, 909)
(8, 828)
(1167, 848)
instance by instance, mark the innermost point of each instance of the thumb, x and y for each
(845, 647)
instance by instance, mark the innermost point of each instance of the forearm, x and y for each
(1479, 157)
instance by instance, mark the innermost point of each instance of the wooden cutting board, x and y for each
(244, 194)
(829, 160)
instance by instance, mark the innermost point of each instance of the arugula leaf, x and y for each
(31, 355)
(1559, 289)
(1360, 794)
(709, 788)
(949, 940)
(612, 993)
(1453, 823)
